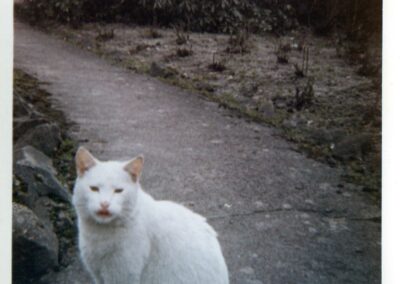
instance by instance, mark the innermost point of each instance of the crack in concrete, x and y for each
(376, 219)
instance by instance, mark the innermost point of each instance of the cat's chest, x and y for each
(112, 262)
(111, 244)
(120, 255)
(101, 247)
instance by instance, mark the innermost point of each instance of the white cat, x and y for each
(127, 237)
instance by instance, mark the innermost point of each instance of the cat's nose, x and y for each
(104, 205)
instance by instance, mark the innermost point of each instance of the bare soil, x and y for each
(299, 83)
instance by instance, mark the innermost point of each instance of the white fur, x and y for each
(144, 241)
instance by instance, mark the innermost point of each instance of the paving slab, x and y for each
(281, 217)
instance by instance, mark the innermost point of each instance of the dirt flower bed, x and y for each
(299, 83)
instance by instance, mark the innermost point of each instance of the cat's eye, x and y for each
(118, 190)
(94, 188)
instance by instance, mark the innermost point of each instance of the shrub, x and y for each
(358, 18)
(206, 15)
(64, 11)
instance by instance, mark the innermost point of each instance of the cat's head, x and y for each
(105, 192)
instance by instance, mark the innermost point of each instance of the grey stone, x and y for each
(160, 70)
(205, 86)
(21, 125)
(353, 146)
(44, 137)
(21, 107)
(35, 246)
(280, 102)
(268, 108)
(42, 208)
(295, 121)
(74, 273)
(324, 136)
(249, 90)
(288, 123)
(36, 171)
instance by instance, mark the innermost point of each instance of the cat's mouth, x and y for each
(103, 213)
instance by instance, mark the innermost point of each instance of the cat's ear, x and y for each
(84, 161)
(134, 167)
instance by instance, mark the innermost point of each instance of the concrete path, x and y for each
(281, 218)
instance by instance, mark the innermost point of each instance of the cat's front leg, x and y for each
(134, 279)
(95, 277)
(84, 259)
(96, 280)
